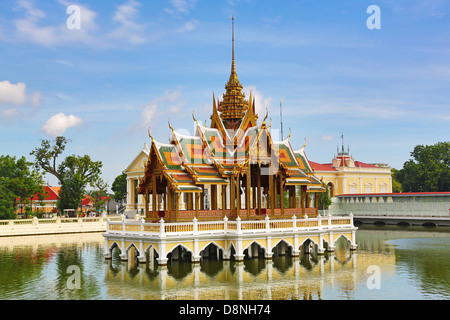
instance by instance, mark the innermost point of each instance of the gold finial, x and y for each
(193, 117)
(270, 123)
(289, 134)
(304, 145)
(265, 118)
(170, 126)
(149, 134)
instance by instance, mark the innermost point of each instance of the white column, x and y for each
(129, 193)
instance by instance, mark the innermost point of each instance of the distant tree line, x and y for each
(22, 181)
(427, 171)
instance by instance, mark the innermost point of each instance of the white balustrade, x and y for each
(225, 226)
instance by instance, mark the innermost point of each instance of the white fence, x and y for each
(163, 229)
(21, 227)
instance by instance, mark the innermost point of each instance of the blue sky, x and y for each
(135, 64)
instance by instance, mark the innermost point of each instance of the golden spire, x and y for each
(233, 63)
(233, 106)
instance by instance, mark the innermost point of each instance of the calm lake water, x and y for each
(390, 263)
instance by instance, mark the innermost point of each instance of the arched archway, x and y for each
(308, 246)
(282, 248)
(331, 189)
(254, 250)
(212, 251)
(180, 253)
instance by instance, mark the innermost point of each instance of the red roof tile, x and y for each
(321, 167)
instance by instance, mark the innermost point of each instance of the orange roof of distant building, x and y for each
(321, 167)
(52, 194)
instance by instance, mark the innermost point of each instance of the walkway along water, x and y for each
(416, 208)
(57, 225)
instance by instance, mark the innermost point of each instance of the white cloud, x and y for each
(30, 27)
(126, 16)
(171, 102)
(188, 26)
(261, 103)
(327, 137)
(10, 113)
(183, 5)
(59, 123)
(12, 93)
(16, 94)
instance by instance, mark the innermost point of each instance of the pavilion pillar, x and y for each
(197, 204)
(165, 200)
(302, 198)
(253, 197)
(147, 213)
(232, 194)
(258, 190)
(271, 194)
(275, 192)
(202, 199)
(238, 195)
(247, 190)
(316, 201)
(281, 195)
(177, 205)
(169, 201)
(154, 197)
(213, 197)
(224, 200)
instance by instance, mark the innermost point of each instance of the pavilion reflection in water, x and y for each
(284, 277)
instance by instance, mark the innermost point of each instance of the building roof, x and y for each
(232, 143)
(50, 192)
(329, 166)
(322, 167)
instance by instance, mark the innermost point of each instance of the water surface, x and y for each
(413, 263)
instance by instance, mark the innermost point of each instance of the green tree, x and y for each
(18, 184)
(46, 156)
(428, 170)
(396, 185)
(77, 173)
(74, 173)
(119, 187)
(99, 194)
(324, 199)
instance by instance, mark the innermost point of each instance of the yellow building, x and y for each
(344, 175)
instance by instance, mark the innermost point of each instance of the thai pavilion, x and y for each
(236, 158)
(253, 184)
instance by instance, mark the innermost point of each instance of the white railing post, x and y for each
(329, 221)
(267, 223)
(225, 224)
(195, 225)
(142, 227)
(107, 224)
(351, 218)
(238, 225)
(294, 222)
(319, 222)
(162, 231)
